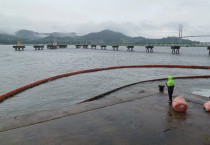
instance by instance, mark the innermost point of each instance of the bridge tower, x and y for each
(180, 33)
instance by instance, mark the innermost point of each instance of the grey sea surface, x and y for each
(19, 68)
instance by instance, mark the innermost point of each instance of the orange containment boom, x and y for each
(179, 104)
(26, 87)
(207, 106)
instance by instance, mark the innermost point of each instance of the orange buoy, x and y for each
(179, 104)
(207, 106)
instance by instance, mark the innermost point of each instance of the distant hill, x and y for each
(7, 39)
(102, 37)
(106, 36)
(31, 35)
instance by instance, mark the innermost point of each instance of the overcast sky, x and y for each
(147, 18)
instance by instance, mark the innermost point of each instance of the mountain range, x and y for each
(31, 35)
(102, 37)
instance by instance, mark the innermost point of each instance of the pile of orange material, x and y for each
(207, 106)
(179, 104)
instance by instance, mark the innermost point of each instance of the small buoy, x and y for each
(179, 104)
(207, 106)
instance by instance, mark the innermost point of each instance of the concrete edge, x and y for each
(52, 114)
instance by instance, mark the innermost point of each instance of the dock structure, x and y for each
(85, 46)
(208, 48)
(39, 47)
(130, 48)
(103, 47)
(149, 48)
(115, 47)
(62, 45)
(78, 46)
(51, 46)
(143, 117)
(93, 46)
(175, 49)
(19, 48)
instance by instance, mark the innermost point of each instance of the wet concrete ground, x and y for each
(129, 119)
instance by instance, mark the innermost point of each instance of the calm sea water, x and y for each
(21, 68)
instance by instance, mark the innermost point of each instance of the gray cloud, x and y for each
(147, 18)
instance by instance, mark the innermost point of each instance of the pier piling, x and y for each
(103, 47)
(175, 49)
(19, 48)
(208, 48)
(52, 46)
(78, 46)
(130, 48)
(62, 46)
(39, 47)
(85, 46)
(93, 46)
(115, 47)
(149, 48)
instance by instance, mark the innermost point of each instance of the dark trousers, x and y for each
(170, 92)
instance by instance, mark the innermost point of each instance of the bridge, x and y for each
(196, 36)
(130, 47)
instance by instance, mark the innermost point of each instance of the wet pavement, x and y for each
(128, 119)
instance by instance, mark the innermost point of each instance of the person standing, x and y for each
(170, 84)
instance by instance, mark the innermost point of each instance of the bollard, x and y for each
(161, 88)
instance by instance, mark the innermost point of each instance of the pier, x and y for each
(115, 47)
(19, 48)
(130, 48)
(85, 46)
(208, 48)
(62, 45)
(175, 49)
(78, 46)
(93, 46)
(137, 118)
(52, 46)
(149, 48)
(103, 47)
(38, 47)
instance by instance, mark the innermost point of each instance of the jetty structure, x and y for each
(78, 46)
(103, 47)
(93, 46)
(208, 48)
(19, 47)
(62, 45)
(38, 47)
(52, 46)
(175, 49)
(149, 48)
(133, 118)
(130, 48)
(85, 46)
(115, 47)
